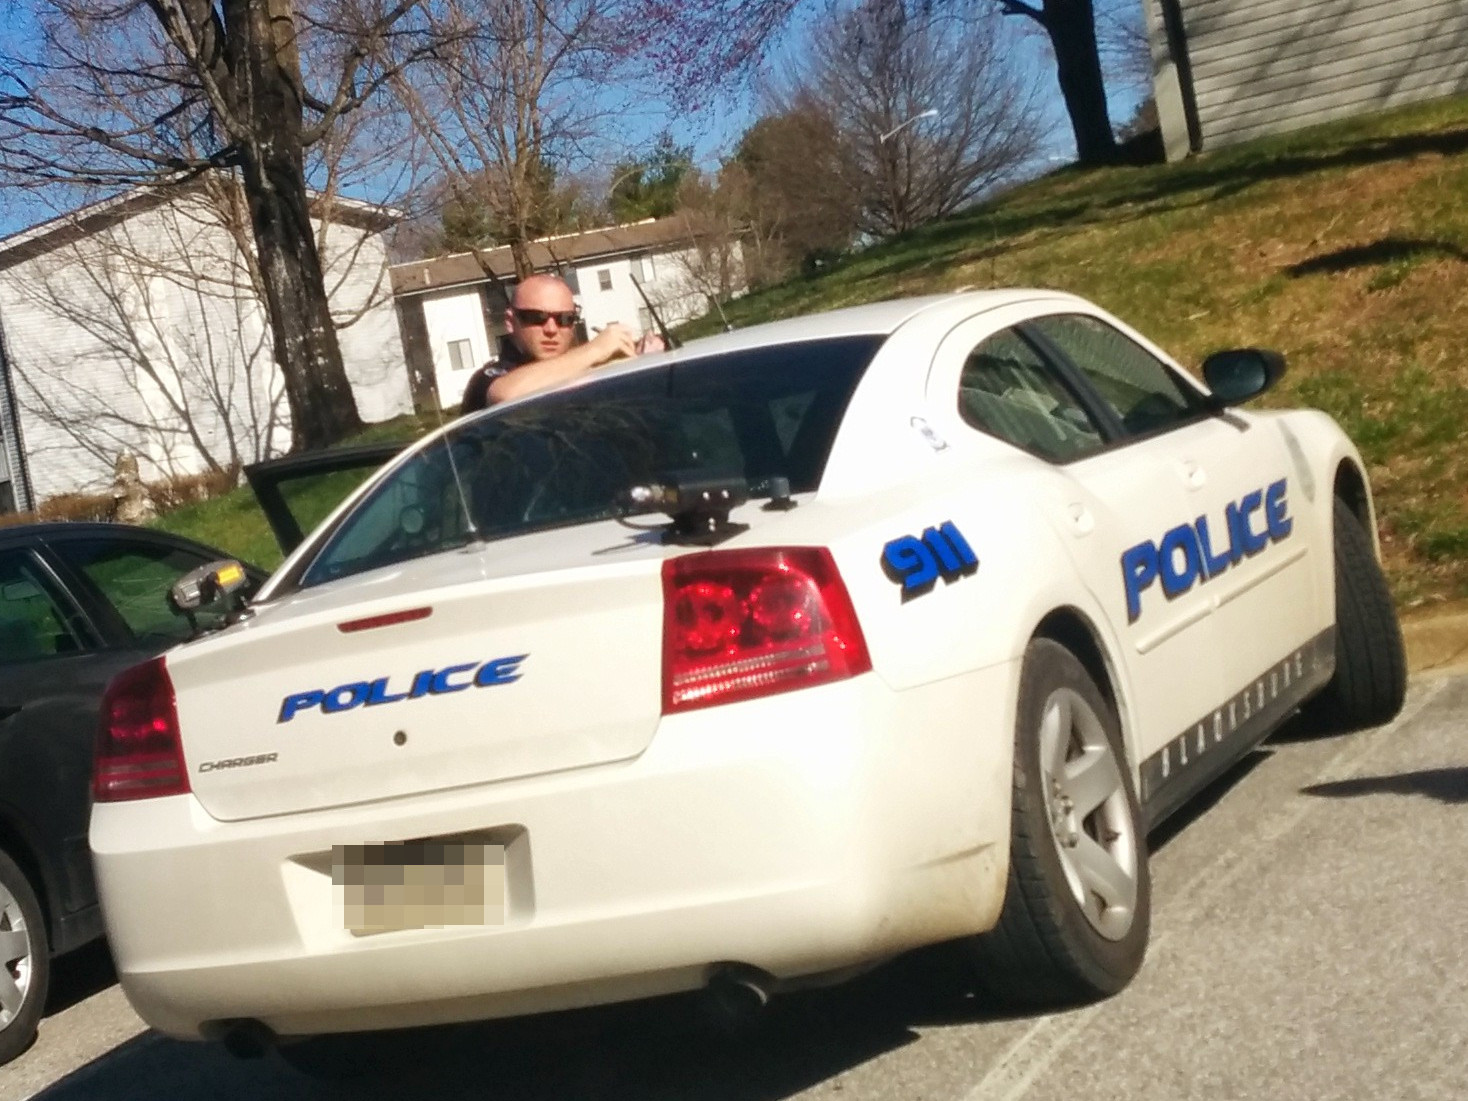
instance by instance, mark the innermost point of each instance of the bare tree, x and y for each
(702, 45)
(512, 105)
(157, 91)
(792, 175)
(928, 111)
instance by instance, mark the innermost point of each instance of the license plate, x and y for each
(419, 885)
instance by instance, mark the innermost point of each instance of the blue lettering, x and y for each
(335, 701)
(1276, 511)
(947, 556)
(499, 671)
(910, 560)
(1246, 542)
(1186, 554)
(299, 702)
(441, 682)
(377, 693)
(1176, 581)
(959, 544)
(422, 685)
(1213, 564)
(1138, 570)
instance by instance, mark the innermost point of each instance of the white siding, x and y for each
(450, 315)
(1266, 66)
(672, 289)
(355, 263)
(147, 336)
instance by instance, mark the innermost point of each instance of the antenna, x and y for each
(453, 463)
(662, 329)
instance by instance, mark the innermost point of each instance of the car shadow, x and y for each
(1446, 785)
(650, 1051)
(1199, 805)
(78, 975)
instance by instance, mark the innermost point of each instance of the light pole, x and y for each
(929, 113)
(889, 165)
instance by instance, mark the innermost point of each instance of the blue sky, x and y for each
(712, 130)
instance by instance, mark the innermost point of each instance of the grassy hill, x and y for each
(1346, 247)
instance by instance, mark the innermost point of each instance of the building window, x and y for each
(644, 318)
(646, 271)
(604, 279)
(461, 355)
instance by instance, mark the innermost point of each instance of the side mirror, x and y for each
(1238, 374)
(207, 583)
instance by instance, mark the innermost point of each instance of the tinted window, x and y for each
(568, 457)
(36, 621)
(1145, 395)
(135, 578)
(1009, 391)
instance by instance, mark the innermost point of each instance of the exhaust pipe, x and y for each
(247, 1038)
(736, 996)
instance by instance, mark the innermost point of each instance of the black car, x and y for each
(78, 604)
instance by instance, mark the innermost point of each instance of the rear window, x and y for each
(568, 458)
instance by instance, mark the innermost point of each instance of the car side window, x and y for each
(135, 576)
(1008, 390)
(1140, 389)
(36, 619)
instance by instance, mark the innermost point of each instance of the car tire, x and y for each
(1370, 680)
(1077, 906)
(25, 960)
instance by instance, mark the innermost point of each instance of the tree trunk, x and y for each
(1071, 25)
(520, 253)
(323, 410)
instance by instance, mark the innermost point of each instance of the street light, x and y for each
(929, 113)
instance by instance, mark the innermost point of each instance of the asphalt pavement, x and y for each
(1309, 941)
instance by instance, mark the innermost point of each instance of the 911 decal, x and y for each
(918, 562)
(1184, 556)
(429, 682)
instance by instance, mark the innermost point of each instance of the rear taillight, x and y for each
(743, 623)
(139, 754)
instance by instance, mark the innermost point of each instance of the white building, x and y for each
(133, 324)
(452, 308)
(1228, 70)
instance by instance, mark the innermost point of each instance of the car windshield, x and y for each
(569, 457)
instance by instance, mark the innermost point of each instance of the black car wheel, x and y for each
(1370, 679)
(25, 960)
(1077, 906)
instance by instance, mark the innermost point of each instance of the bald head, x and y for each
(539, 306)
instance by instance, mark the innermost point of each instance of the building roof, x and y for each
(76, 225)
(546, 253)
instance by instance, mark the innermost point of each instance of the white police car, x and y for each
(774, 655)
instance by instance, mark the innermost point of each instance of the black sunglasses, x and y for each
(564, 318)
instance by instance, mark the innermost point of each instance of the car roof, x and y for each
(877, 318)
(41, 528)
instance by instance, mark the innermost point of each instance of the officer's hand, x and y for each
(650, 342)
(613, 342)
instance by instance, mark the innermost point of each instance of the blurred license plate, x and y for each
(419, 885)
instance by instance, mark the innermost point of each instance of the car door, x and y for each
(76, 608)
(1234, 544)
(1111, 495)
(55, 661)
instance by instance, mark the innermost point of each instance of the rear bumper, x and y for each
(797, 834)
